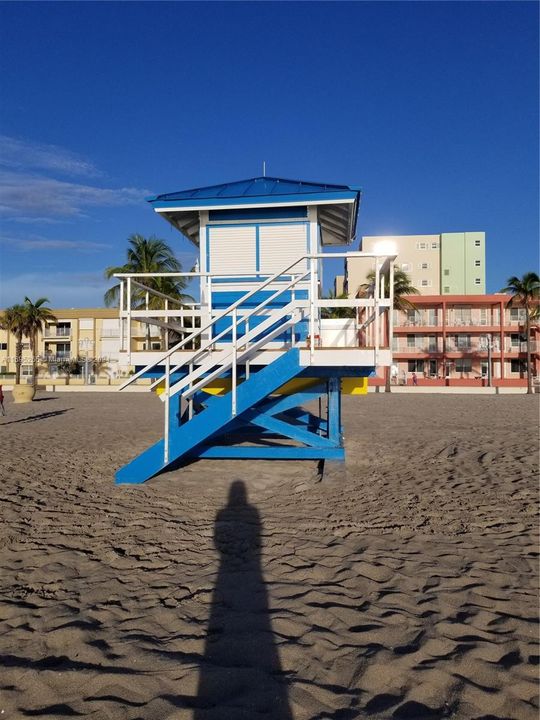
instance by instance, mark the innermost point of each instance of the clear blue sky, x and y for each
(431, 107)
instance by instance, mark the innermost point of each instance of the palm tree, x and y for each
(149, 255)
(402, 288)
(14, 321)
(525, 293)
(100, 365)
(336, 313)
(70, 366)
(36, 315)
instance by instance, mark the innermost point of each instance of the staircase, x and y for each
(182, 383)
(280, 314)
(216, 416)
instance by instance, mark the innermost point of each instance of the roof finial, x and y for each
(264, 168)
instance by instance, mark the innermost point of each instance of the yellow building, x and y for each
(85, 334)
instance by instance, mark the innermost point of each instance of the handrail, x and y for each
(234, 326)
(247, 296)
(202, 329)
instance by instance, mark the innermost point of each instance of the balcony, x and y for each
(56, 332)
(472, 320)
(57, 356)
(521, 347)
(417, 349)
(419, 320)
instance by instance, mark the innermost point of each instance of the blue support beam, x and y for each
(276, 452)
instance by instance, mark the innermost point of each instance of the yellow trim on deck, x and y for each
(349, 386)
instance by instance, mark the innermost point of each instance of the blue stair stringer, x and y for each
(216, 417)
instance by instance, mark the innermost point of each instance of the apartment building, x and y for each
(92, 333)
(462, 340)
(443, 264)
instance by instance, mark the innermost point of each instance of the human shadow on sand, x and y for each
(34, 418)
(240, 676)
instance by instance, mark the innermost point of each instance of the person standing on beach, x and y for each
(2, 401)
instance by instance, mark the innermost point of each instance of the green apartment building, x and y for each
(463, 263)
(438, 264)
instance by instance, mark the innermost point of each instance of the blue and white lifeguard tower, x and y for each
(254, 351)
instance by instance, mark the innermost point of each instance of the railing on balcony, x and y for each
(58, 356)
(520, 347)
(424, 348)
(420, 319)
(473, 319)
(54, 331)
(195, 324)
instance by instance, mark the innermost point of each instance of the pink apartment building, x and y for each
(462, 340)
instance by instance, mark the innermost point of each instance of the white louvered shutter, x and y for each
(232, 250)
(280, 245)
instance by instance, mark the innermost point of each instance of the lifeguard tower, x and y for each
(255, 350)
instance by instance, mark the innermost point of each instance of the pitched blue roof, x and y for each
(256, 187)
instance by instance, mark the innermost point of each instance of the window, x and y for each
(447, 272)
(421, 246)
(434, 245)
(432, 343)
(518, 366)
(463, 342)
(517, 314)
(515, 340)
(26, 370)
(477, 263)
(463, 365)
(3, 346)
(411, 341)
(423, 266)
(156, 346)
(446, 289)
(416, 366)
(425, 283)
(484, 369)
(477, 243)
(477, 281)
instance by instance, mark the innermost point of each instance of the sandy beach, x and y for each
(244, 590)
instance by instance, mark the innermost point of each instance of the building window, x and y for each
(477, 281)
(446, 289)
(463, 365)
(425, 283)
(447, 272)
(423, 266)
(432, 343)
(434, 245)
(411, 341)
(416, 366)
(477, 243)
(26, 370)
(517, 314)
(156, 346)
(518, 366)
(421, 246)
(477, 263)
(463, 342)
(3, 346)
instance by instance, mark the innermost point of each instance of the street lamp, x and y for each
(85, 344)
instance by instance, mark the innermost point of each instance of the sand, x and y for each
(244, 590)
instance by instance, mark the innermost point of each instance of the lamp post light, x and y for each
(85, 344)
